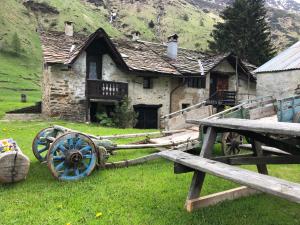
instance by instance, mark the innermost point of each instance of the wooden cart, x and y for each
(72, 155)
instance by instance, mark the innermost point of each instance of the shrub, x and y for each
(151, 24)
(16, 45)
(185, 17)
(105, 120)
(124, 115)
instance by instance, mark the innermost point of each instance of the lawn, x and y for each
(145, 194)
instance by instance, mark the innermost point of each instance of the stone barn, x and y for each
(84, 75)
(280, 77)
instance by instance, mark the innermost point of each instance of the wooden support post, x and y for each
(216, 198)
(198, 177)
(257, 149)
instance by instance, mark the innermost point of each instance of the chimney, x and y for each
(172, 46)
(136, 35)
(69, 29)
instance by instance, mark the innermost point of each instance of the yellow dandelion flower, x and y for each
(98, 214)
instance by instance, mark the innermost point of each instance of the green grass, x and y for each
(145, 194)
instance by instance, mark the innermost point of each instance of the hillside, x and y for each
(192, 20)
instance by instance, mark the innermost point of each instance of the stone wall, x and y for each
(278, 84)
(159, 94)
(64, 91)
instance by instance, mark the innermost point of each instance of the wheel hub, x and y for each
(74, 157)
(235, 144)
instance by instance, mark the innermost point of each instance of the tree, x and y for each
(16, 44)
(244, 31)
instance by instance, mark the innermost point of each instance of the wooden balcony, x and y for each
(222, 98)
(106, 90)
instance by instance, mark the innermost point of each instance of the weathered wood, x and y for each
(261, 168)
(280, 128)
(216, 198)
(179, 169)
(14, 166)
(199, 176)
(267, 149)
(262, 160)
(261, 182)
(260, 112)
(131, 162)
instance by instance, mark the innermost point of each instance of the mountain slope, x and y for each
(192, 20)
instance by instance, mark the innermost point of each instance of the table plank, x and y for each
(289, 129)
(261, 182)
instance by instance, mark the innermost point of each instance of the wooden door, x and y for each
(147, 117)
(222, 83)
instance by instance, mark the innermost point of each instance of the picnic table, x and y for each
(279, 135)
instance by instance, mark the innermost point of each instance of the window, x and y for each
(196, 82)
(94, 67)
(185, 105)
(147, 83)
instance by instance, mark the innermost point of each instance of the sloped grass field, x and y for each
(145, 194)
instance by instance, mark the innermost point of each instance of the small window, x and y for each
(185, 105)
(147, 83)
(196, 82)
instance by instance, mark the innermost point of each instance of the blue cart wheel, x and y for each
(72, 156)
(41, 144)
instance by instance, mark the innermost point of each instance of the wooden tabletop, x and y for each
(289, 129)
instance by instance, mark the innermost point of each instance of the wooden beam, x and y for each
(260, 182)
(280, 128)
(261, 168)
(199, 176)
(216, 198)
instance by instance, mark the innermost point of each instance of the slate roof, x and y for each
(286, 60)
(138, 56)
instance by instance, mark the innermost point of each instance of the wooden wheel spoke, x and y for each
(58, 158)
(84, 149)
(43, 150)
(76, 171)
(78, 143)
(60, 166)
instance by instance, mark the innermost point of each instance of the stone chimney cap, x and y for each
(173, 37)
(69, 22)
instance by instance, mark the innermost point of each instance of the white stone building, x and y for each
(280, 77)
(83, 75)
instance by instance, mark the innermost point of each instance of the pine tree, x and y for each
(16, 44)
(245, 32)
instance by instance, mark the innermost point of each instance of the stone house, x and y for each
(83, 75)
(280, 77)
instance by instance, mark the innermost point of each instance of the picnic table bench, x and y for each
(283, 136)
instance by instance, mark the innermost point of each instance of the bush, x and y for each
(151, 24)
(105, 120)
(16, 45)
(124, 115)
(185, 17)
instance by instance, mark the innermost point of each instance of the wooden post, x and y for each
(257, 149)
(198, 177)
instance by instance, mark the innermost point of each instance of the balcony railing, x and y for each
(108, 90)
(223, 98)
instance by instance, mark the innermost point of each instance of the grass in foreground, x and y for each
(145, 194)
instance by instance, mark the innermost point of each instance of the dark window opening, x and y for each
(94, 67)
(185, 105)
(147, 83)
(196, 82)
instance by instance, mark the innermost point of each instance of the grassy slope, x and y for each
(146, 194)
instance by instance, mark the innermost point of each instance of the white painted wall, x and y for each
(278, 84)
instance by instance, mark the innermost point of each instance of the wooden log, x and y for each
(216, 198)
(14, 166)
(267, 149)
(260, 182)
(119, 136)
(132, 162)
